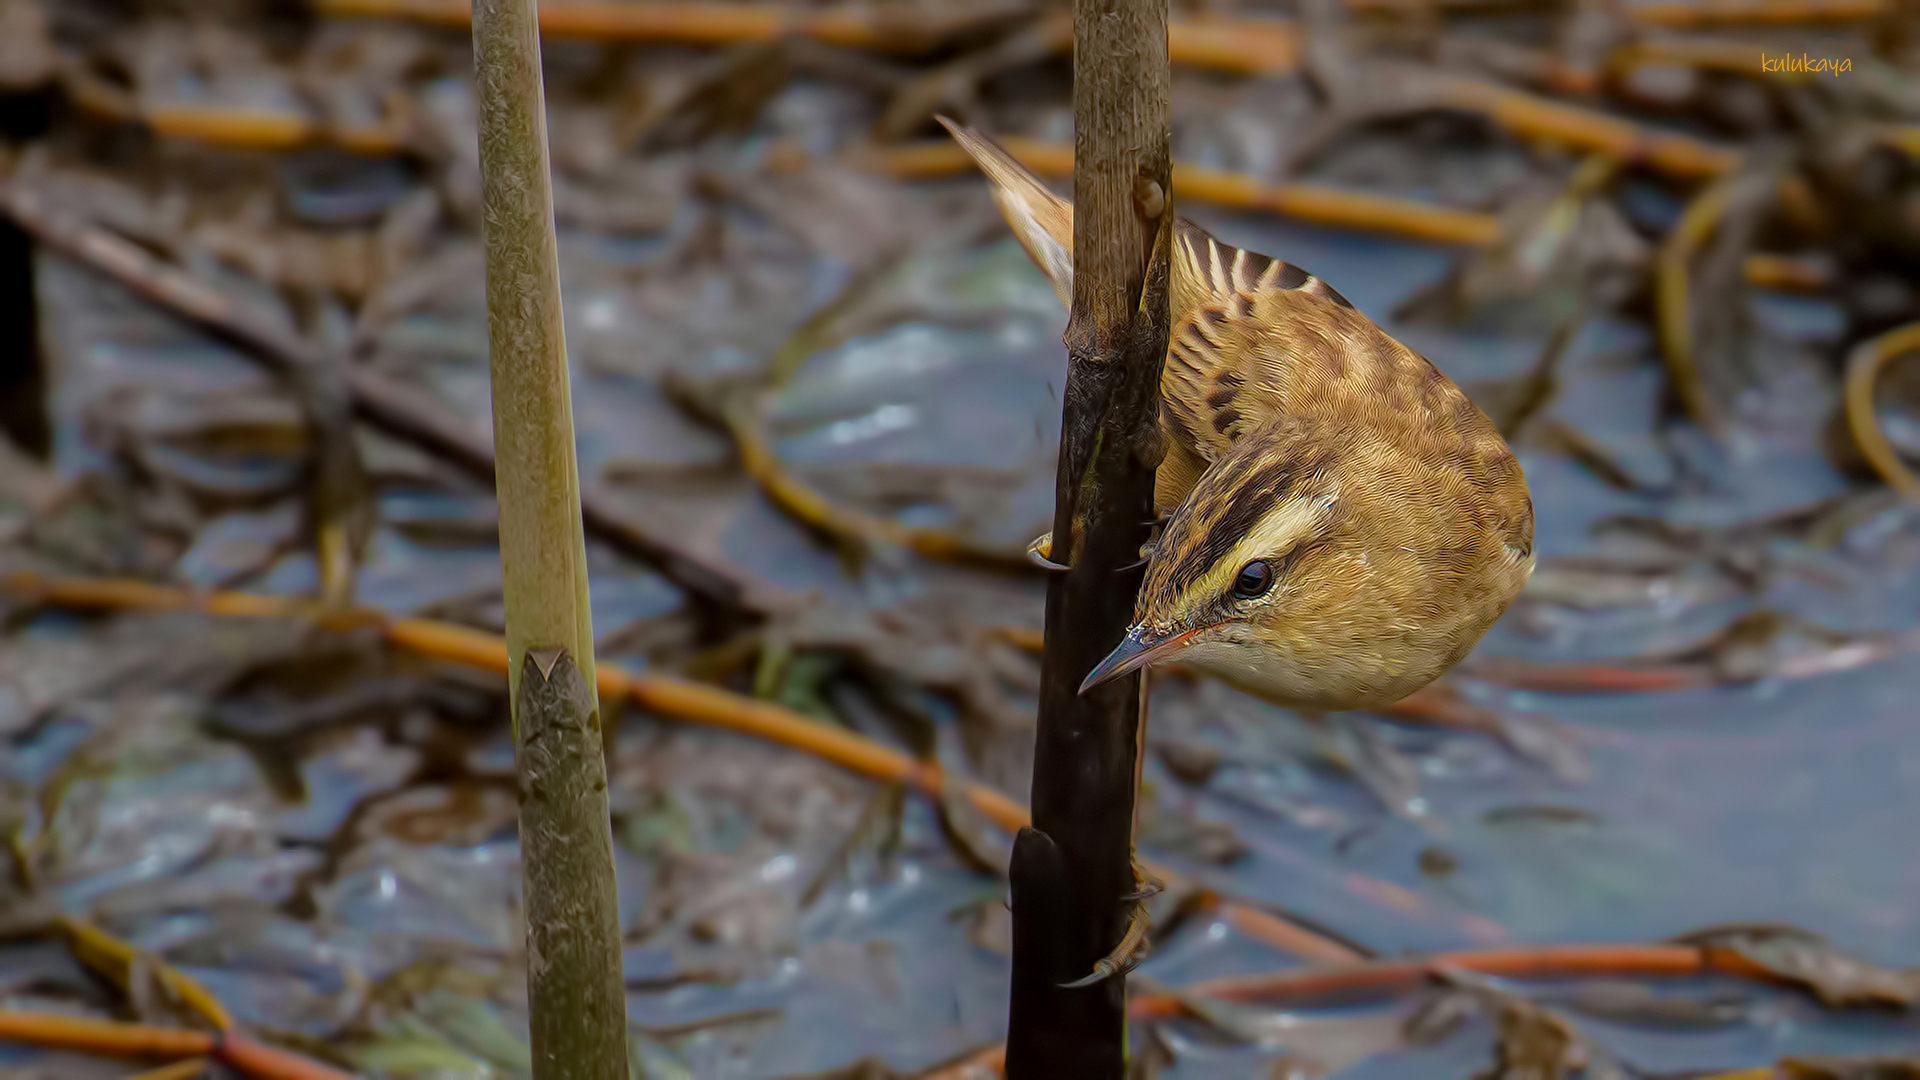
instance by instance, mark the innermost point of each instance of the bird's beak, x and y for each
(1139, 648)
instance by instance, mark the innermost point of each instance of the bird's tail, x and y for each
(1041, 220)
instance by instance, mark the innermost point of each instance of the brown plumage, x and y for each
(1345, 524)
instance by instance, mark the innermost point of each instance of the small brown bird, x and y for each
(1345, 525)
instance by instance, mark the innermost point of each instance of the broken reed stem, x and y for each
(1072, 870)
(576, 994)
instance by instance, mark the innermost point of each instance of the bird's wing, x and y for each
(1041, 220)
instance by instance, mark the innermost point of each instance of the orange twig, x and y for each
(179, 1070)
(1287, 936)
(1244, 46)
(1530, 116)
(112, 1038)
(660, 694)
(1689, 13)
(258, 129)
(690, 23)
(1785, 273)
(270, 1063)
(815, 510)
(228, 126)
(1521, 962)
(105, 1037)
(1863, 370)
(1739, 58)
(1309, 202)
(1306, 202)
(1235, 44)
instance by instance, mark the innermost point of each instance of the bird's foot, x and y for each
(1125, 956)
(1133, 946)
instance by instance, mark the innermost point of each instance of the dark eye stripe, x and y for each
(1249, 501)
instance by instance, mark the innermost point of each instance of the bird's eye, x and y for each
(1255, 579)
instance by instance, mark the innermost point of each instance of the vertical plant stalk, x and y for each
(1071, 872)
(576, 994)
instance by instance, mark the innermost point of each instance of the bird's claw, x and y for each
(1039, 551)
(1125, 956)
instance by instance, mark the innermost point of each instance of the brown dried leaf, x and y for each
(1805, 959)
(1534, 1044)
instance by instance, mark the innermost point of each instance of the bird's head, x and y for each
(1237, 558)
(1316, 568)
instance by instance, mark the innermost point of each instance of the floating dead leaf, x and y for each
(1537, 1044)
(1315, 1045)
(1636, 1004)
(1805, 959)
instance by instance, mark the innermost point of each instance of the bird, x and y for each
(1341, 524)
